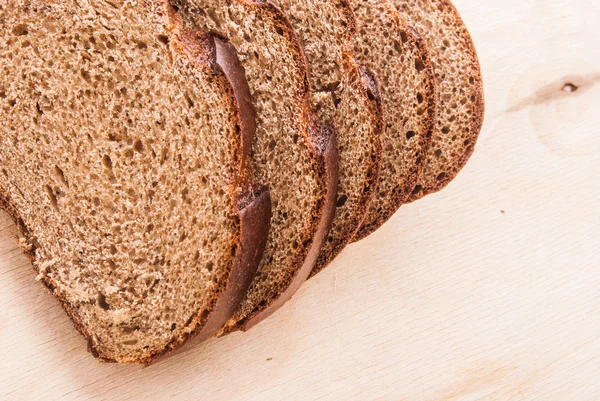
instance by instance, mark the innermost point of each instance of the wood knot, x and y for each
(569, 87)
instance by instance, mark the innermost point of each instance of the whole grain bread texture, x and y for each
(292, 153)
(401, 62)
(124, 161)
(458, 77)
(346, 96)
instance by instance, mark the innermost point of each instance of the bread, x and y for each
(346, 96)
(124, 161)
(399, 59)
(292, 154)
(458, 76)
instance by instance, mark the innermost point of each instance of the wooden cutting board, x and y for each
(489, 290)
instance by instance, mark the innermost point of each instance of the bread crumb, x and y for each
(24, 245)
(121, 316)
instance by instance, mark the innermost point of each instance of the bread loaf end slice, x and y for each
(458, 76)
(123, 160)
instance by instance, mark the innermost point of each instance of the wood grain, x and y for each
(489, 290)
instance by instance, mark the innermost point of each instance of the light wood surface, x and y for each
(489, 290)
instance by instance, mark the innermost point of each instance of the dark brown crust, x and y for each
(394, 203)
(479, 113)
(321, 142)
(227, 59)
(255, 221)
(253, 205)
(374, 104)
(373, 91)
(326, 144)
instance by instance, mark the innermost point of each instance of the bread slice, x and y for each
(400, 60)
(124, 161)
(346, 96)
(458, 75)
(292, 154)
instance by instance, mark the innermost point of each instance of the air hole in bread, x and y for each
(107, 162)
(141, 45)
(61, 175)
(86, 75)
(189, 100)
(21, 30)
(164, 154)
(138, 146)
(342, 201)
(52, 196)
(335, 98)
(101, 301)
(410, 134)
(419, 65)
(209, 266)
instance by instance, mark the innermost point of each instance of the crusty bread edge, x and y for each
(374, 103)
(478, 116)
(322, 144)
(326, 145)
(431, 97)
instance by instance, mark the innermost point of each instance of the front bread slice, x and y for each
(124, 161)
(293, 155)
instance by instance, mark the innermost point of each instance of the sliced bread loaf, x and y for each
(346, 96)
(124, 161)
(458, 76)
(294, 156)
(400, 60)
